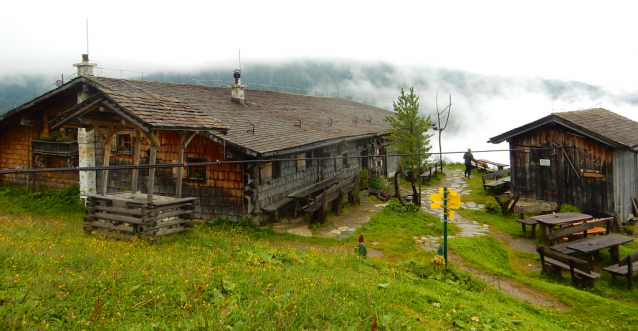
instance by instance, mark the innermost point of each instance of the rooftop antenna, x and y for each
(240, 60)
(87, 36)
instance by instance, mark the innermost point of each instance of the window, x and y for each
(269, 171)
(301, 163)
(344, 160)
(123, 143)
(309, 162)
(266, 172)
(196, 172)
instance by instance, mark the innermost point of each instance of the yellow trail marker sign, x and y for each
(453, 202)
(449, 192)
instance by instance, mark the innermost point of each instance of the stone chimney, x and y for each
(237, 90)
(85, 68)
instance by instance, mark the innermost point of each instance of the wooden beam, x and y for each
(115, 109)
(107, 158)
(151, 173)
(78, 113)
(153, 137)
(136, 160)
(99, 133)
(190, 137)
(180, 171)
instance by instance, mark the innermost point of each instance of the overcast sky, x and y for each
(588, 41)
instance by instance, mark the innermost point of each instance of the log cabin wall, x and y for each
(266, 191)
(16, 150)
(219, 188)
(625, 182)
(559, 182)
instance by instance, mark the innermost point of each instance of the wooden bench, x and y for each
(497, 182)
(552, 262)
(432, 169)
(334, 194)
(530, 222)
(580, 229)
(274, 208)
(624, 268)
(484, 163)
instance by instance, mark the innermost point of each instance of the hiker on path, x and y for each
(468, 157)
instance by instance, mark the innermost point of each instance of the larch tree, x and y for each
(409, 136)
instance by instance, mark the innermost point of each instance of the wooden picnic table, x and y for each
(547, 222)
(593, 244)
(499, 166)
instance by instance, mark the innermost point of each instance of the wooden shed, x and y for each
(586, 158)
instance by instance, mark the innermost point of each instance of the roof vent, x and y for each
(237, 90)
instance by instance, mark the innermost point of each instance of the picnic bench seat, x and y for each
(433, 169)
(274, 208)
(583, 229)
(331, 194)
(552, 262)
(530, 222)
(484, 163)
(497, 182)
(624, 268)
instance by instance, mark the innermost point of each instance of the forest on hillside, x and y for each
(374, 84)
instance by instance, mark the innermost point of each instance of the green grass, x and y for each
(394, 231)
(227, 276)
(53, 276)
(52, 203)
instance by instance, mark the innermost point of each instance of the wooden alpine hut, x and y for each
(586, 158)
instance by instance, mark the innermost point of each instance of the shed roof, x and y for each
(597, 123)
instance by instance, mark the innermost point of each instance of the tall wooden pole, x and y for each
(151, 173)
(180, 170)
(136, 160)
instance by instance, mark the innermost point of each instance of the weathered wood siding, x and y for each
(266, 192)
(560, 182)
(625, 181)
(219, 193)
(16, 150)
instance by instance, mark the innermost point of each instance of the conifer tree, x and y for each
(409, 136)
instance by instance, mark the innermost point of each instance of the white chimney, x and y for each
(237, 90)
(85, 68)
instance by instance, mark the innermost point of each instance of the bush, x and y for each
(396, 206)
(365, 179)
(492, 207)
(565, 208)
(378, 183)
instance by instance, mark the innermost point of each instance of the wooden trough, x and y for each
(127, 215)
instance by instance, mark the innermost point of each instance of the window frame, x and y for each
(191, 170)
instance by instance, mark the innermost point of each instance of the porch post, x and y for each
(151, 173)
(136, 160)
(180, 170)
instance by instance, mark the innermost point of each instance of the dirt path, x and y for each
(341, 226)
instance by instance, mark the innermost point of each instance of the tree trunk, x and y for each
(416, 197)
(397, 190)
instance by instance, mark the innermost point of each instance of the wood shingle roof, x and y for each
(281, 120)
(597, 123)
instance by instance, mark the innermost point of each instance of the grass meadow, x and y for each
(225, 276)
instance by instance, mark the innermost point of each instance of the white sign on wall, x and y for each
(545, 162)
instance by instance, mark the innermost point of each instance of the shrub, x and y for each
(396, 206)
(365, 179)
(378, 183)
(492, 207)
(565, 208)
